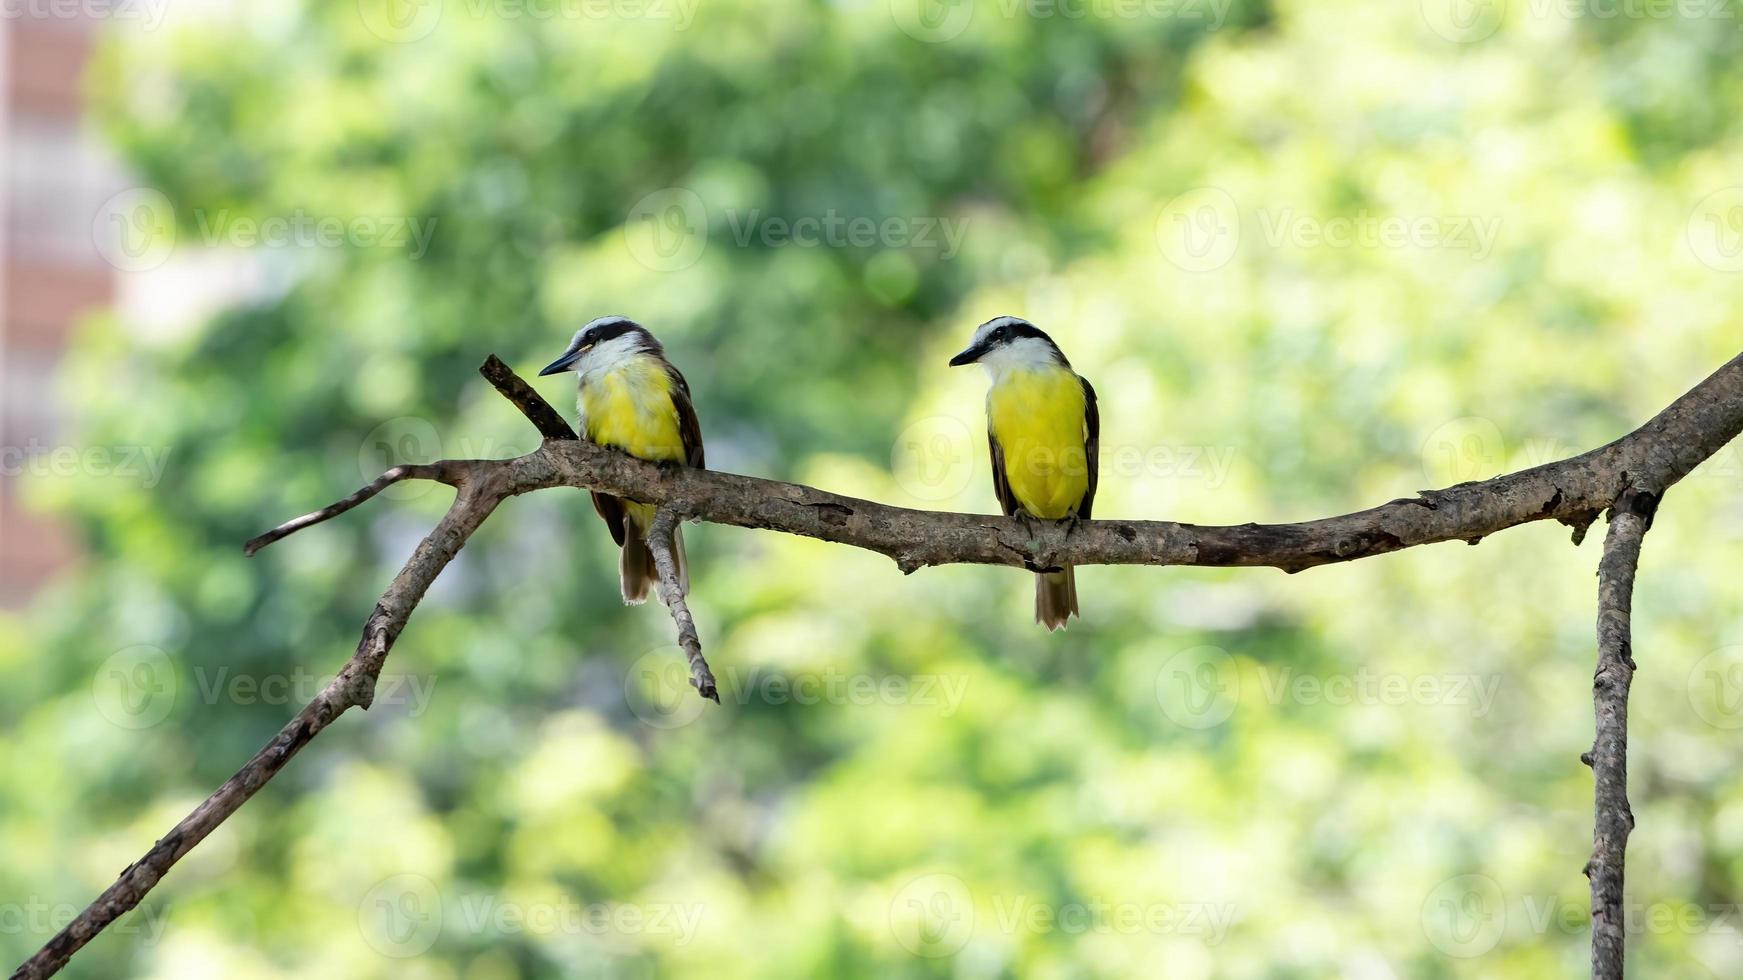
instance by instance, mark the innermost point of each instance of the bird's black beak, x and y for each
(969, 356)
(561, 364)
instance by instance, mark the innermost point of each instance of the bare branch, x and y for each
(1636, 468)
(1574, 491)
(531, 404)
(1612, 818)
(354, 686)
(449, 471)
(660, 531)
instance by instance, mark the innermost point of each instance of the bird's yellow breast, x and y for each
(1038, 418)
(630, 408)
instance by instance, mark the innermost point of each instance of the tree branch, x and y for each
(1574, 491)
(1612, 818)
(660, 531)
(449, 471)
(353, 686)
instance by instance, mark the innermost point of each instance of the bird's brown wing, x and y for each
(1091, 447)
(689, 427)
(1001, 484)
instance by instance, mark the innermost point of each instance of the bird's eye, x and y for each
(1005, 332)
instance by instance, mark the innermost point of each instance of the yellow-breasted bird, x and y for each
(634, 400)
(1044, 432)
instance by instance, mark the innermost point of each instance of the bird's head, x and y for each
(1007, 342)
(603, 343)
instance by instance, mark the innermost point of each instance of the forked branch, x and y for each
(1644, 463)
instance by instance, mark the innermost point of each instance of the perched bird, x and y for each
(634, 400)
(1044, 433)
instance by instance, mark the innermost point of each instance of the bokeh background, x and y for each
(1314, 256)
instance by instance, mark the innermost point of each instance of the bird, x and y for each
(635, 400)
(1044, 434)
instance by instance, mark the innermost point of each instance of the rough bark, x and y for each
(1611, 817)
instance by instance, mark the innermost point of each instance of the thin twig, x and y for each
(449, 471)
(1612, 818)
(660, 537)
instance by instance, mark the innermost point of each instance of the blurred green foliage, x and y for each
(1313, 255)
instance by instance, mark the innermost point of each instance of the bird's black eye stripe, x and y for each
(607, 331)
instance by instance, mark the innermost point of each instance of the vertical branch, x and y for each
(1612, 819)
(660, 536)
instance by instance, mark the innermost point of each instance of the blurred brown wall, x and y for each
(50, 272)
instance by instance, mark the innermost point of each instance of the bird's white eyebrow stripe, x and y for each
(985, 330)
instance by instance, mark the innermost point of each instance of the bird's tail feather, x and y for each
(635, 565)
(1055, 598)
